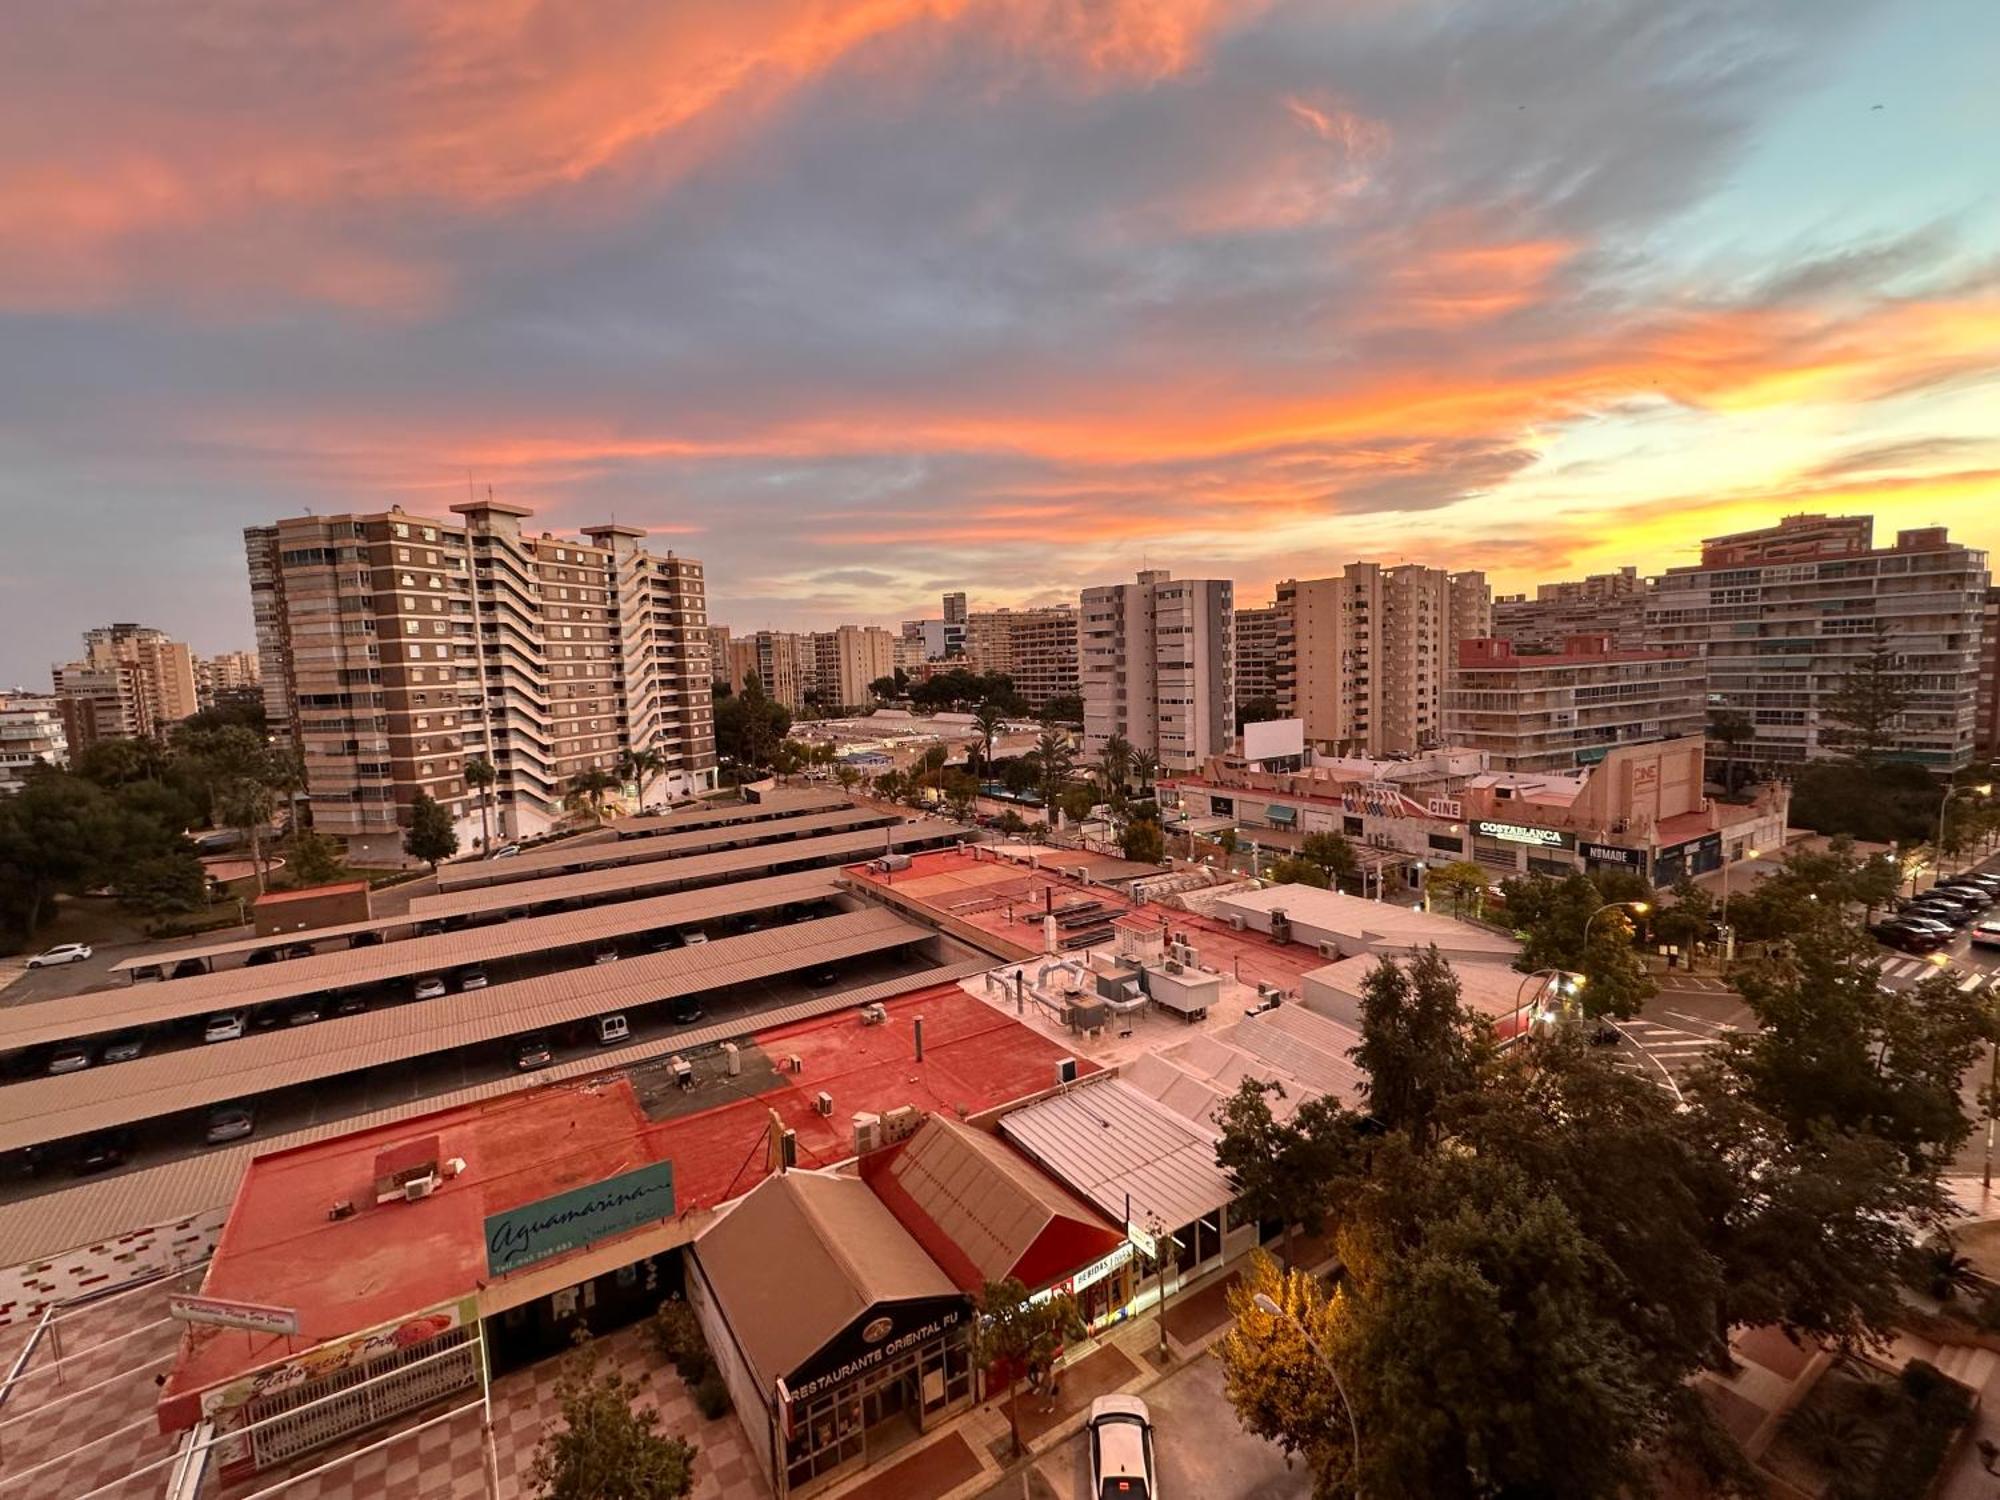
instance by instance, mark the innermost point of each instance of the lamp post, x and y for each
(1270, 1308)
(1983, 789)
(1641, 907)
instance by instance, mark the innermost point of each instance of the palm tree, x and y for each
(247, 804)
(587, 789)
(287, 774)
(1115, 759)
(640, 766)
(480, 776)
(1147, 765)
(989, 720)
(1057, 760)
(1732, 727)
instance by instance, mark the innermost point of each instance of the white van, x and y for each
(612, 1029)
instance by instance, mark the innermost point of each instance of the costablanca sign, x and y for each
(535, 1231)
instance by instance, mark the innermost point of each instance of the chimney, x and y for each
(920, 1038)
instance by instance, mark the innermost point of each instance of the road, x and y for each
(1202, 1453)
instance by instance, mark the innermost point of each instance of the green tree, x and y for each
(586, 790)
(314, 860)
(749, 727)
(430, 836)
(848, 776)
(1260, 710)
(1064, 708)
(889, 688)
(1863, 714)
(1146, 766)
(1145, 841)
(1420, 1046)
(161, 885)
(1730, 727)
(480, 776)
(1461, 882)
(892, 785)
(1272, 1375)
(1077, 802)
(1017, 1337)
(641, 766)
(1055, 760)
(1287, 1171)
(1332, 853)
(1010, 821)
(1289, 870)
(606, 1449)
(961, 791)
(1553, 917)
(1115, 760)
(989, 719)
(1686, 921)
(247, 804)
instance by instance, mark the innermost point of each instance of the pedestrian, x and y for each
(1989, 1453)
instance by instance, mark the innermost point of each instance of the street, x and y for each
(1202, 1453)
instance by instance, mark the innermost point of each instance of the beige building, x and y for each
(1158, 664)
(227, 672)
(1258, 634)
(132, 682)
(396, 647)
(1781, 615)
(846, 659)
(32, 734)
(1364, 658)
(1610, 604)
(1037, 648)
(1986, 736)
(1558, 711)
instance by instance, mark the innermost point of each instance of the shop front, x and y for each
(1695, 857)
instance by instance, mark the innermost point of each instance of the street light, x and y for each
(1640, 907)
(1269, 1307)
(1983, 789)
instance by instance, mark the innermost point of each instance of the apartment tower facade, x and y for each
(1558, 711)
(1364, 658)
(1158, 667)
(1609, 604)
(395, 647)
(1258, 634)
(1037, 648)
(1781, 615)
(132, 682)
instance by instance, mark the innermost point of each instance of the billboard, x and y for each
(1274, 739)
(521, 1236)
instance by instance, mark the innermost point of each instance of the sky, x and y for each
(863, 302)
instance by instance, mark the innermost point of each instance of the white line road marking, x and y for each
(1713, 1026)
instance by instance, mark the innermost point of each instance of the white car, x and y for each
(226, 1027)
(1121, 1449)
(430, 987)
(62, 953)
(1986, 934)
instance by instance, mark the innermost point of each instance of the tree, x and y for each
(1864, 712)
(1146, 766)
(480, 776)
(587, 788)
(1056, 760)
(606, 1449)
(1420, 1046)
(1332, 853)
(430, 836)
(891, 785)
(1010, 821)
(1077, 802)
(1287, 870)
(1015, 1337)
(1284, 1170)
(1145, 841)
(641, 766)
(1730, 727)
(749, 727)
(1461, 882)
(889, 688)
(848, 776)
(1552, 917)
(247, 804)
(961, 791)
(1259, 710)
(1687, 920)
(314, 859)
(1064, 708)
(1115, 760)
(989, 719)
(1272, 1375)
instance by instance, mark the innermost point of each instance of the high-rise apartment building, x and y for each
(31, 734)
(1037, 648)
(846, 660)
(718, 656)
(1364, 658)
(133, 681)
(1258, 633)
(1158, 667)
(225, 673)
(395, 647)
(1781, 615)
(1986, 730)
(1556, 711)
(954, 625)
(1608, 604)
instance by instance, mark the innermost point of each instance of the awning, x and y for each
(1281, 814)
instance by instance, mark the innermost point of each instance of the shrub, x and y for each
(677, 1335)
(711, 1396)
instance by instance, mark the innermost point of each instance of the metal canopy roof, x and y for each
(562, 858)
(777, 803)
(725, 864)
(49, 1109)
(204, 1182)
(97, 1012)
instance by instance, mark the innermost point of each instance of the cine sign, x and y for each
(257, 1317)
(1521, 833)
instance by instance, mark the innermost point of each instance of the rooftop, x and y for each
(281, 898)
(1370, 926)
(400, 1258)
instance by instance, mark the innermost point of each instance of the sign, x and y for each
(1143, 1240)
(257, 1317)
(551, 1226)
(887, 1332)
(1274, 739)
(1090, 1275)
(1373, 799)
(1522, 833)
(1611, 854)
(1445, 807)
(339, 1356)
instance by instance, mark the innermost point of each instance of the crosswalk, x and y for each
(1899, 971)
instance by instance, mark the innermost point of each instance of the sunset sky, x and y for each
(861, 302)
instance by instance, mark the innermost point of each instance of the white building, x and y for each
(1158, 667)
(31, 734)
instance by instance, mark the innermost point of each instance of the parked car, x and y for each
(303, 1015)
(505, 851)
(226, 1026)
(124, 1047)
(693, 939)
(605, 955)
(685, 1010)
(1986, 934)
(1940, 909)
(261, 956)
(103, 1151)
(229, 1122)
(71, 1057)
(1121, 1449)
(187, 968)
(1978, 895)
(62, 953)
(364, 940)
(823, 976)
(430, 987)
(1921, 920)
(267, 1017)
(472, 978)
(612, 1029)
(349, 1005)
(532, 1052)
(301, 950)
(1908, 937)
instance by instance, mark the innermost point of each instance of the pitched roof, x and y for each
(803, 1255)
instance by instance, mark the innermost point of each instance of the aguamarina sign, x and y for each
(535, 1231)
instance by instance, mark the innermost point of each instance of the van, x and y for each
(612, 1029)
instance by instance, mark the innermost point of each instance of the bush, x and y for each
(711, 1396)
(677, 1335)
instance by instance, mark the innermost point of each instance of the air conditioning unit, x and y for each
(867, 1133)
(419, 1187)
(683, 1071)
(823, 1103)
(343, 1208)
(1173, 966)
(1236, 922)
(732, 1061)
(900, 1123)
(874, 1015)
(1065, 1071)
(1329, 949)
(795, 1064)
